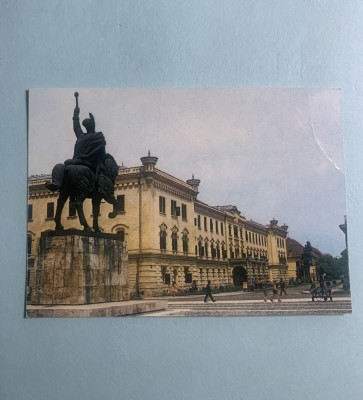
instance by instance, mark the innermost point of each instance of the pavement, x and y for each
(112, 309)
(297, 302)
(228, 304)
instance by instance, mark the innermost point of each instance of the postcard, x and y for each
(186, 202)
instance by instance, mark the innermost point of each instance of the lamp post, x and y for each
(343, 228)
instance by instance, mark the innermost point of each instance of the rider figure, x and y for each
(89, 151)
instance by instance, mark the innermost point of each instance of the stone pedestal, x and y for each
(77, 267)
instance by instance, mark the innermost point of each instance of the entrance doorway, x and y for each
(239, 276)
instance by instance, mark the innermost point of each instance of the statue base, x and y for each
(80, 267)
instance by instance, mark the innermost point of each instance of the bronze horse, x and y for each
(80, 182)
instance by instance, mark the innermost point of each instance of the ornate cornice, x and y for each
(168, 188)
(209, 211)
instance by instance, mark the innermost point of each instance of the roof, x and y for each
(227, 208)
(295, 249)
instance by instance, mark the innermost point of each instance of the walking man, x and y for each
(208, 293)
(282, 287)
(275, 294)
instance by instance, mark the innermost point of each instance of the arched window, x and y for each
(200, 247)
(231, 251)
(185, 239)
(206, 247)
(224, 251)
(29, 243)
(174, 239)
(162, 235)
(218, 250)
(213, 249)
(236, 251)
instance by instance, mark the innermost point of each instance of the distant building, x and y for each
(171, 235)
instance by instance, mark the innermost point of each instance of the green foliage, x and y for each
(333, 267)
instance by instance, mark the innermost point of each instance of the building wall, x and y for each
(218, 255)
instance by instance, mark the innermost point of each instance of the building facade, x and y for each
(171, 235)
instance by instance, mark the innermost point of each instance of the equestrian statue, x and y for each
(91, 173)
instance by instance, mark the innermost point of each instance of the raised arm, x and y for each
(76, 125)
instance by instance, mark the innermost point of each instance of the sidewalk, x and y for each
(114, 309)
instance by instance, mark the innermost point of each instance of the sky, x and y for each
(273, 153)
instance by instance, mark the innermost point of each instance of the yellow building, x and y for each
(170, 234)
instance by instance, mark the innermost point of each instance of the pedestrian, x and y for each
(282, 287)
(263, 287)
(208, 293)
(275, 294)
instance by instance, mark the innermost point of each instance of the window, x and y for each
(174, 241)
(235, 231)
(231, 251)
(162, 237)
(200, 248)
(206, 248)
(175, 211)
(72, 212)
(230, 230)
(188, 277)
(50, 210)
(120, 203)
(199, 221)
(222, 229)
(211, 225)
(217, 227)
(185, 240)
(165, 275)
(184, 211)
(30, 212)
(161, 204)
(205, 223)
(214, 252)
(224, 252)
(218, 251)
(246, 236)
(121, 234)
(29, 243)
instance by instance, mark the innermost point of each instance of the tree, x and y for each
(333, 267)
